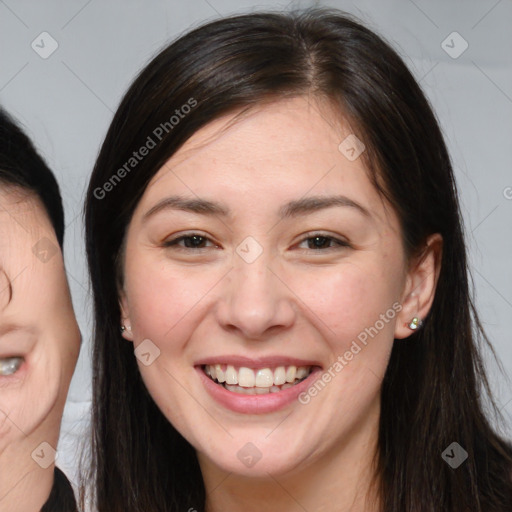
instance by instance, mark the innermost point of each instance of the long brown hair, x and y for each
(432, 391)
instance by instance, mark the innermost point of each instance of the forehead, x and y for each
(14, 199)
(24, 228)
(20, 208)
(292, 139)
(289, 149)
(284, 126)
(30, 256)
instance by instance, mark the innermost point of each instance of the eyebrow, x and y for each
(8, 287)
(315, 203)
(200, 206)
(292, 209)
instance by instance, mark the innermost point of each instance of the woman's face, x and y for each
(39, 336)
(258, 256)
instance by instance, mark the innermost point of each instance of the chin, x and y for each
(247, 463)
(259, 458)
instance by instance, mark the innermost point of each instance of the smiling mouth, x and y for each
(259, 381)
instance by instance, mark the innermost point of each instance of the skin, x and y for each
(292, 300)
(46, 336)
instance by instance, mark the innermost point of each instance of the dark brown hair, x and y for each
(432, 391)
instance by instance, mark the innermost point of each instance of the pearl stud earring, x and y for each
(415, 323)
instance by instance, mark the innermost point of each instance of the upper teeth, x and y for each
(260, 378)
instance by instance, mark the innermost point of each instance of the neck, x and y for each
(340, 481)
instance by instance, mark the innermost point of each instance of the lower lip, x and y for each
(256, 404)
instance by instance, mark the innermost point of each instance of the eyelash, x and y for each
(174, 242)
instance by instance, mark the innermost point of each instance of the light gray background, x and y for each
(66, 102)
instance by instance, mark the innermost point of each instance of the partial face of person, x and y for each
(39, 335)
(264, 283)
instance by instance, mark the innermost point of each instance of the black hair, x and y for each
(21, 166)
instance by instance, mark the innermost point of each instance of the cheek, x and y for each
(345, 300)
(24, 406)
(163, 300)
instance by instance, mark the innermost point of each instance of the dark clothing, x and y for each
(62, 497)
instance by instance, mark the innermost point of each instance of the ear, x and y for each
(420, 285)
(125, 317)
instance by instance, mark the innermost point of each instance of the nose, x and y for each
(256, 301)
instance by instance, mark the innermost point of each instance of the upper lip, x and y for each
(256, 362)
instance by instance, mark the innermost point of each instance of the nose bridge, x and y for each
(256, 300)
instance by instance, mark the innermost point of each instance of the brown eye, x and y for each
(319, 242)
(10, 365)
(192, 241)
